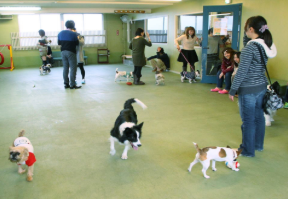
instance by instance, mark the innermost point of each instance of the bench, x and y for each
(127, 60)
(58, 57)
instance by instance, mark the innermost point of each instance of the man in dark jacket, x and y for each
(161, 61)
(68, 41)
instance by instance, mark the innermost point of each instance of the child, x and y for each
(43, 47)
(226, 71)
(49, 55)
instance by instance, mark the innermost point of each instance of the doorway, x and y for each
(221, 29)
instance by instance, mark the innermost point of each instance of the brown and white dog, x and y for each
(215, 154)
(22, 153)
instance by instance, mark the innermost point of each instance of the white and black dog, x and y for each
(269, 113)
(45, 69)
(125, 130)
(123, 74)
(159, 77)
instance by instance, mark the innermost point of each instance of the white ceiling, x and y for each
(89, 5)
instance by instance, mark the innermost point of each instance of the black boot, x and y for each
(140, 82)
(135, 80)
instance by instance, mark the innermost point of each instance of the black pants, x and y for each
(137, 71)
(184, 67)
(80, 65)
(286, 95)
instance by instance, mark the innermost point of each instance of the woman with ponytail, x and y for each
(250, 83)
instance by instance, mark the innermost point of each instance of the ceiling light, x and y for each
(19, 8)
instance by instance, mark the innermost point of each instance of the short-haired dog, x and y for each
(205, 155)
(22, 153)
(159, 77)
(124, 74)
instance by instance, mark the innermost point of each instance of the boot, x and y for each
(137, 81)
(140, 82)
(135, 78)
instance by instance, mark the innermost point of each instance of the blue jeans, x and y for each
(69, 62)
(253, 126)
(227, 80)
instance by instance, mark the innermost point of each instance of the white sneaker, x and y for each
(83, 81)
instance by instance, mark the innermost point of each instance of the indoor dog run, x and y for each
(70, 128)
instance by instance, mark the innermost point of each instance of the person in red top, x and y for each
(226, 71)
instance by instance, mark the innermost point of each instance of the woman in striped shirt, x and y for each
(250, 82)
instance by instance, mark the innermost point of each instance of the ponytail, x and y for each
(259, 24)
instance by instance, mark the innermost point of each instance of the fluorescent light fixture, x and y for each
(19, 8)
(221, 14)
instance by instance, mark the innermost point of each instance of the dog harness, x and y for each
(25, 142)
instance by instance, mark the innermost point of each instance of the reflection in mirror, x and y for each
(219, 36)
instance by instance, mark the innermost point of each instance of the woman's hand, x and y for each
(148, 36)
(221, 75)
(231, 98)
(178, 48)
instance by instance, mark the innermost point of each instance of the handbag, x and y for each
(271, 99)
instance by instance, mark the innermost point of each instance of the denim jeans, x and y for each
(69, 63)
(227, 80)
(253, 126)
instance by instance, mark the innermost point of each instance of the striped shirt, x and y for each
(250, 77)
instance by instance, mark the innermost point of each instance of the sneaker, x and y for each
(83, 81)
(286, 105)
(215, 90)
(167, 70)
(223, 92)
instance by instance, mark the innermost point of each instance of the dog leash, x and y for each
(187, 61)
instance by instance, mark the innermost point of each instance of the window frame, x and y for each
(16, 36)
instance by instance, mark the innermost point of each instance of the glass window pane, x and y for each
(93, 22)
(77, 18)
(29, 23)
(50, 22)
(157, 28)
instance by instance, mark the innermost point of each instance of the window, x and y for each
(88, 25)
(157, 28)
(194, 20)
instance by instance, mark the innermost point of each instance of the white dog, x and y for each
(205, 155)
(124, 74)
(159, 77)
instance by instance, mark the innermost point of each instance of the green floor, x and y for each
(70, 129)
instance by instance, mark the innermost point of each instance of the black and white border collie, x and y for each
(125, 130)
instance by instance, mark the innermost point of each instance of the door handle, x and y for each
(205, 47)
